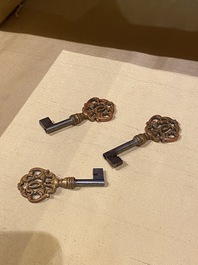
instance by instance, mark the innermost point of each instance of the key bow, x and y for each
(162, 129)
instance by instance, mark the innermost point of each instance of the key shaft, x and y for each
(112, 155)
(98, 179)
(88, 183)
(50, 127)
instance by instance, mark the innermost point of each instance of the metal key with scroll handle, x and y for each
(94, 109)
(158, 129)
(40, 183)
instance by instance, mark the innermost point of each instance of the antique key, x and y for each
(158, 129)
(97, 109)
(39, 183)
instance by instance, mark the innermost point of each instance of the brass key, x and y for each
(158, 129)
(39, 183)
(95, 109)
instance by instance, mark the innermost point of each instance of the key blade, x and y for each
(97, 180)
(46, 123)
(51, 127)
(113, 159)
(98, 174)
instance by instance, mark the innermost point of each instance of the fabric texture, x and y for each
(25, 59)
(148, 209)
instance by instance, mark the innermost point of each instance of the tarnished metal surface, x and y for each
(162, 129)
(39, 183)
(158, 129)
(99, 110)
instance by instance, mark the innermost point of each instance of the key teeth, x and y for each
(98, 174)
(45, 123)
(113, 159)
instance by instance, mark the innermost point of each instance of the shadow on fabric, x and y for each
(18, 248)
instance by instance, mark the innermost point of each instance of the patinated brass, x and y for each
(40, 183)
(95, 109)
(163, 129)
(158, 129)
(100, 110)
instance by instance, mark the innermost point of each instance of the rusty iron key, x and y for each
(39, 183)
(158, 129)
(94, 109)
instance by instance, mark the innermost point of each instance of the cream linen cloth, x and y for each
(148, 211)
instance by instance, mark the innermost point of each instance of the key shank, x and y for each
(51, 127)
(112, 155)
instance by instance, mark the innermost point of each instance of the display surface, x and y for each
(158, 129)
(147, 210)
(95, 109)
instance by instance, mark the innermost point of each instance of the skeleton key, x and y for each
(39, 183)
(97, 109)
(158, 129)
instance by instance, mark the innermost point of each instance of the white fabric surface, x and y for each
(147, 214)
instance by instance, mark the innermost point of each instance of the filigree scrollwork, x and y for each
(162, 129)
(98, 109)
(38, 184)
